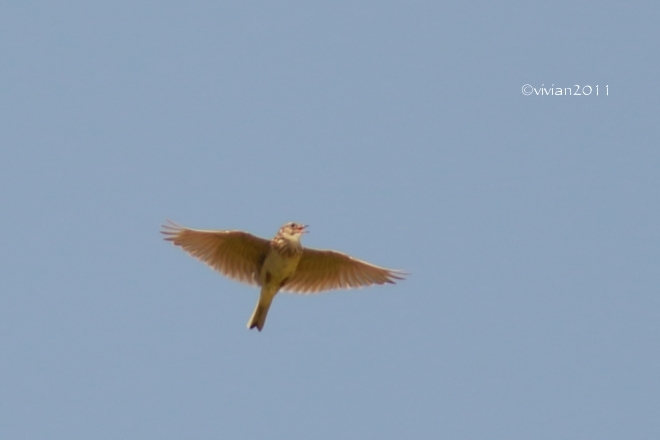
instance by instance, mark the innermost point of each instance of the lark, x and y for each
(278, 264)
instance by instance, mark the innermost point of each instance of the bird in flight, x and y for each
(280, 263)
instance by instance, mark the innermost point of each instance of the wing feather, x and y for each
(235, 254)
(320, 270)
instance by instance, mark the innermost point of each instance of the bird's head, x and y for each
(292, 231)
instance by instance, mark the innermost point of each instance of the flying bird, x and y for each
(278, 264)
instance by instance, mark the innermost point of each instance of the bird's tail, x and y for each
(258, 318)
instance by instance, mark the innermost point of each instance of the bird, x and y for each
(278, 264)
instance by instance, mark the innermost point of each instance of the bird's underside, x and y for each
(278, 264)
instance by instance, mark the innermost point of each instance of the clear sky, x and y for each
(400, 132)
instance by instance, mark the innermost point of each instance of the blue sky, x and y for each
(530, 225)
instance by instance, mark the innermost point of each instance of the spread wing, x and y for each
(235, 254)
(320, 270)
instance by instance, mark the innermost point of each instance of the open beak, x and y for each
(303, 229)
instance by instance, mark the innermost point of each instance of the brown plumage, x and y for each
(281, 263)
